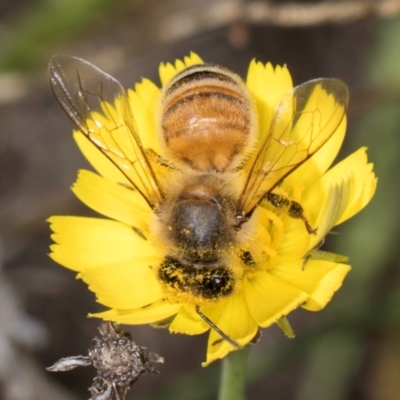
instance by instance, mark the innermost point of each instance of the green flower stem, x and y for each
(233, 375)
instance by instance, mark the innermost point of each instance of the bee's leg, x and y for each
(216, 329)
(307, 257)
(278, 201)
(293, 208)
(156, 158)
(256, 337)
(247, 259)
(296, 211)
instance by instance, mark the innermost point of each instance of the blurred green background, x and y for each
(350, 350)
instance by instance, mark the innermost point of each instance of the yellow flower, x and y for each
(119, 256)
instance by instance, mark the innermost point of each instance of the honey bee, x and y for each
(212, 173)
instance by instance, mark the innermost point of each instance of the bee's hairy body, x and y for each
(207, 125)
(207, 118)
(198, 228)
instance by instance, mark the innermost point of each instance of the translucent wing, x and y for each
(98, 105)
(304, 120)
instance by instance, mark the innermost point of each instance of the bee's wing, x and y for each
(98, 105)
(305, 118)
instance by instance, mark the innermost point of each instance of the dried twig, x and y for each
(119, 362)
(224, 12)
(306, 14)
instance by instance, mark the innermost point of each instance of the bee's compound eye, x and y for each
(207, 281)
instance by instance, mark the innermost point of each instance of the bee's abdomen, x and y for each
(207, 117)
(203, 281)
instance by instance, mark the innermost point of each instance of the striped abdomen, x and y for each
(207, 118)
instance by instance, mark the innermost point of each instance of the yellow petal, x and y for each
(98, 160)
(117, 140)
(188, 322)
(320, 118)
(340, 193)
(295, 241)
(362, 181)
(145, 315)
(144, 104)
(267, 85)
(269, 298)
(125, 285)
(320, 279)
(309, 172)
(236, 322)
(169, 71)
(261, 246)
(324, 204)
(112, 200)
(192, 59)
(86, 243)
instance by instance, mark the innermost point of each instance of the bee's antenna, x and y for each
(216, 329)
